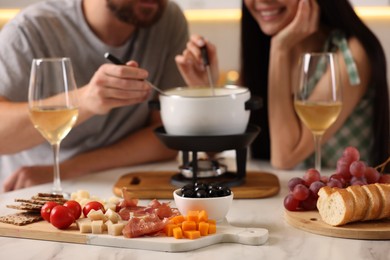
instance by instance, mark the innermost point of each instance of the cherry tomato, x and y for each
(61, 217)
(46, 209)
(75, 207)
(92, 205)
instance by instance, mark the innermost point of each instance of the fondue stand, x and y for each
(212, 144)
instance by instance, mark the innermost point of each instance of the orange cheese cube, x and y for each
(168, 229)
(212, 228)
(192, 234)
(203, 228)
(193, 215)
(177, 233)
(178, 219)
(188, 225)
(203, 216)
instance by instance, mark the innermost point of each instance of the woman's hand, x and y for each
(191, 65)
(304, 24)
(115, 86)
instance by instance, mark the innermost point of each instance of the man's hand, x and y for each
(28, 176)
(115, 86)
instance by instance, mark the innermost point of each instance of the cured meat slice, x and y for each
(141, 226)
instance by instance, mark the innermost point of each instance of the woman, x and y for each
(274, 35)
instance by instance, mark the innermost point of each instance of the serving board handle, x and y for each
(245, 236)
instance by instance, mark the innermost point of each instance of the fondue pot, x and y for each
(203, 111)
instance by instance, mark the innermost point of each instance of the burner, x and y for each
(206, 168)
(195, 144)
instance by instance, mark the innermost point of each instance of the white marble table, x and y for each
(285, 242)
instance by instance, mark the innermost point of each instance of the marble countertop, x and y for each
(284, 242)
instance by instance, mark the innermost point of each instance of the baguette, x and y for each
(360, 199)
(384, 190)
(375, 202)
(355, 203)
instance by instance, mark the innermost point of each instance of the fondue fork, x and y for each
(116, 61)
(206, 63)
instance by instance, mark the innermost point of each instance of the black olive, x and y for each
(204, 190)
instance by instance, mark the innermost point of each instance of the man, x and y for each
(115, 126)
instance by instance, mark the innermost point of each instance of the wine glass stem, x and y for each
(317, 151)
(57, 189)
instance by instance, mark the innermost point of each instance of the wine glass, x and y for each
(317, 98)
(53, 104)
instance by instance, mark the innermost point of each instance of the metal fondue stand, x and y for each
(195, 144)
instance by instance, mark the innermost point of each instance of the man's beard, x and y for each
(144, 18)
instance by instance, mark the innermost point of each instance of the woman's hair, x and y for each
(335, 14)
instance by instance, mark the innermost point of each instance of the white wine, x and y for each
(54, 123)
(317, 116)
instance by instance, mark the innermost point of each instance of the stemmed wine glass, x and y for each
(53, 104)
(317, 98)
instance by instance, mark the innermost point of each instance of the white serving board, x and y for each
(225, 234)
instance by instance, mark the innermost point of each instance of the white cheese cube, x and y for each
(115, 229)
(83, 194)
(84, 225)
(112, 215)
(96, 215)
(97, 227)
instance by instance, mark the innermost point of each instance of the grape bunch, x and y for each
(350, 170)
(204, 190)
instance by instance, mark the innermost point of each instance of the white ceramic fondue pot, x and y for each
(199, 111)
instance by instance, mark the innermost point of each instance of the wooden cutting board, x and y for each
(311, 221)
(225, 234)
(157, 185)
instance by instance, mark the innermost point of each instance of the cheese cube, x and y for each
(84, 225)
(97, 215)
(115, 229)
(97, 227)
(112, 215)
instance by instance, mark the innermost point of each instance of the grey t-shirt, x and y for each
(57, 28)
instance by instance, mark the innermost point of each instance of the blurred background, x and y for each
(218, 21)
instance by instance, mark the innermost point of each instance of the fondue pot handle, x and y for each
(254, 103)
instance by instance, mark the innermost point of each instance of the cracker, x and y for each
(25, 207)
(50, 195)
(36, 202)
(21, 218)
(45, 199)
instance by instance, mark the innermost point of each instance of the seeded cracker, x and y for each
(30, 209)
(21, 218)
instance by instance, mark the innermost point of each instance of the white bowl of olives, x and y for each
(214, 199)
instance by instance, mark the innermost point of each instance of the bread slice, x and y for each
(374, 208)
(384, 190)
(360, 199)
(338, 208)
(323, 195)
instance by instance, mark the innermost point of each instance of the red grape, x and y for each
(372, 175)
(358, 181)
(290, 203)
(311, 176)
(343, 168)
(334, 183)
(340, 178)
(385, 178)
(351, 153)
(357, 169)
(293, 182)
(310, 203)
(315, 187)
(300, 192)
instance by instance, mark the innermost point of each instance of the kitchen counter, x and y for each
(285, 241)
